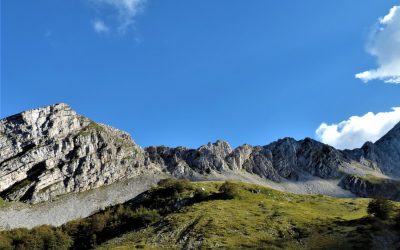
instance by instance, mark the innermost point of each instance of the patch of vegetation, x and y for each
(226, 215)
(93, 126)
(113, 222)
(381, 181)
(43, 237)
(2, 202)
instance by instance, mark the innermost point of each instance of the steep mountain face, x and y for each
(51, 151)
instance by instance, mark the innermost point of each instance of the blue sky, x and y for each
(185, 72)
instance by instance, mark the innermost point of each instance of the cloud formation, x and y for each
(384, 44)
(357, 130)
(126, 11)
(100, 27)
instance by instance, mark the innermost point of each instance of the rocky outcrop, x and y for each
(51, 151)
(370, 186)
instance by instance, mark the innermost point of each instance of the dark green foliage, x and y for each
(380, 208)
(82, 233)
(165, 197)
(229, 190)
(87, 233)
(178, 185)
(43, 237)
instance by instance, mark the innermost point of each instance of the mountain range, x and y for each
(53, 153)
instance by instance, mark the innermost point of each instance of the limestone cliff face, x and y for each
(51, 151)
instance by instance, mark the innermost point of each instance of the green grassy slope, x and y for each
(179, 214)
(263, 218)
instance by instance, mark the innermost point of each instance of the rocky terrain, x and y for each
(53, 151)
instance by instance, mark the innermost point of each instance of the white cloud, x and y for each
(126, 11)
(100, 27)
(384, 44)
(357, 130)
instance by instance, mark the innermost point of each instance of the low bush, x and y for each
(229, 190)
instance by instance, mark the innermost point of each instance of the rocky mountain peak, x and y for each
(219, 148)
(385, 152)
(36, 126)
(53, 150)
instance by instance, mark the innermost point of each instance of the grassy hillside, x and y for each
(232, 215)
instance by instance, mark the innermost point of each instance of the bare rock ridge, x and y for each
(51, 151)
(384, 153)
(277, 161)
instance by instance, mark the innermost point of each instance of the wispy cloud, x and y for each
(357, 130)
(125, 12)
(99, 26)
(384, 44)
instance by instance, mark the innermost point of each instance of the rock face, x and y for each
(283, 159)
(384, 153)
(51, 151)
(372, 187)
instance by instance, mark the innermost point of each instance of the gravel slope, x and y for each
(74, 206)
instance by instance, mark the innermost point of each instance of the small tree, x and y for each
(380, 208)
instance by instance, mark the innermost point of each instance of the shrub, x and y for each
(380, 208)
(142, 217)
(175, 184)
(229, 190)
